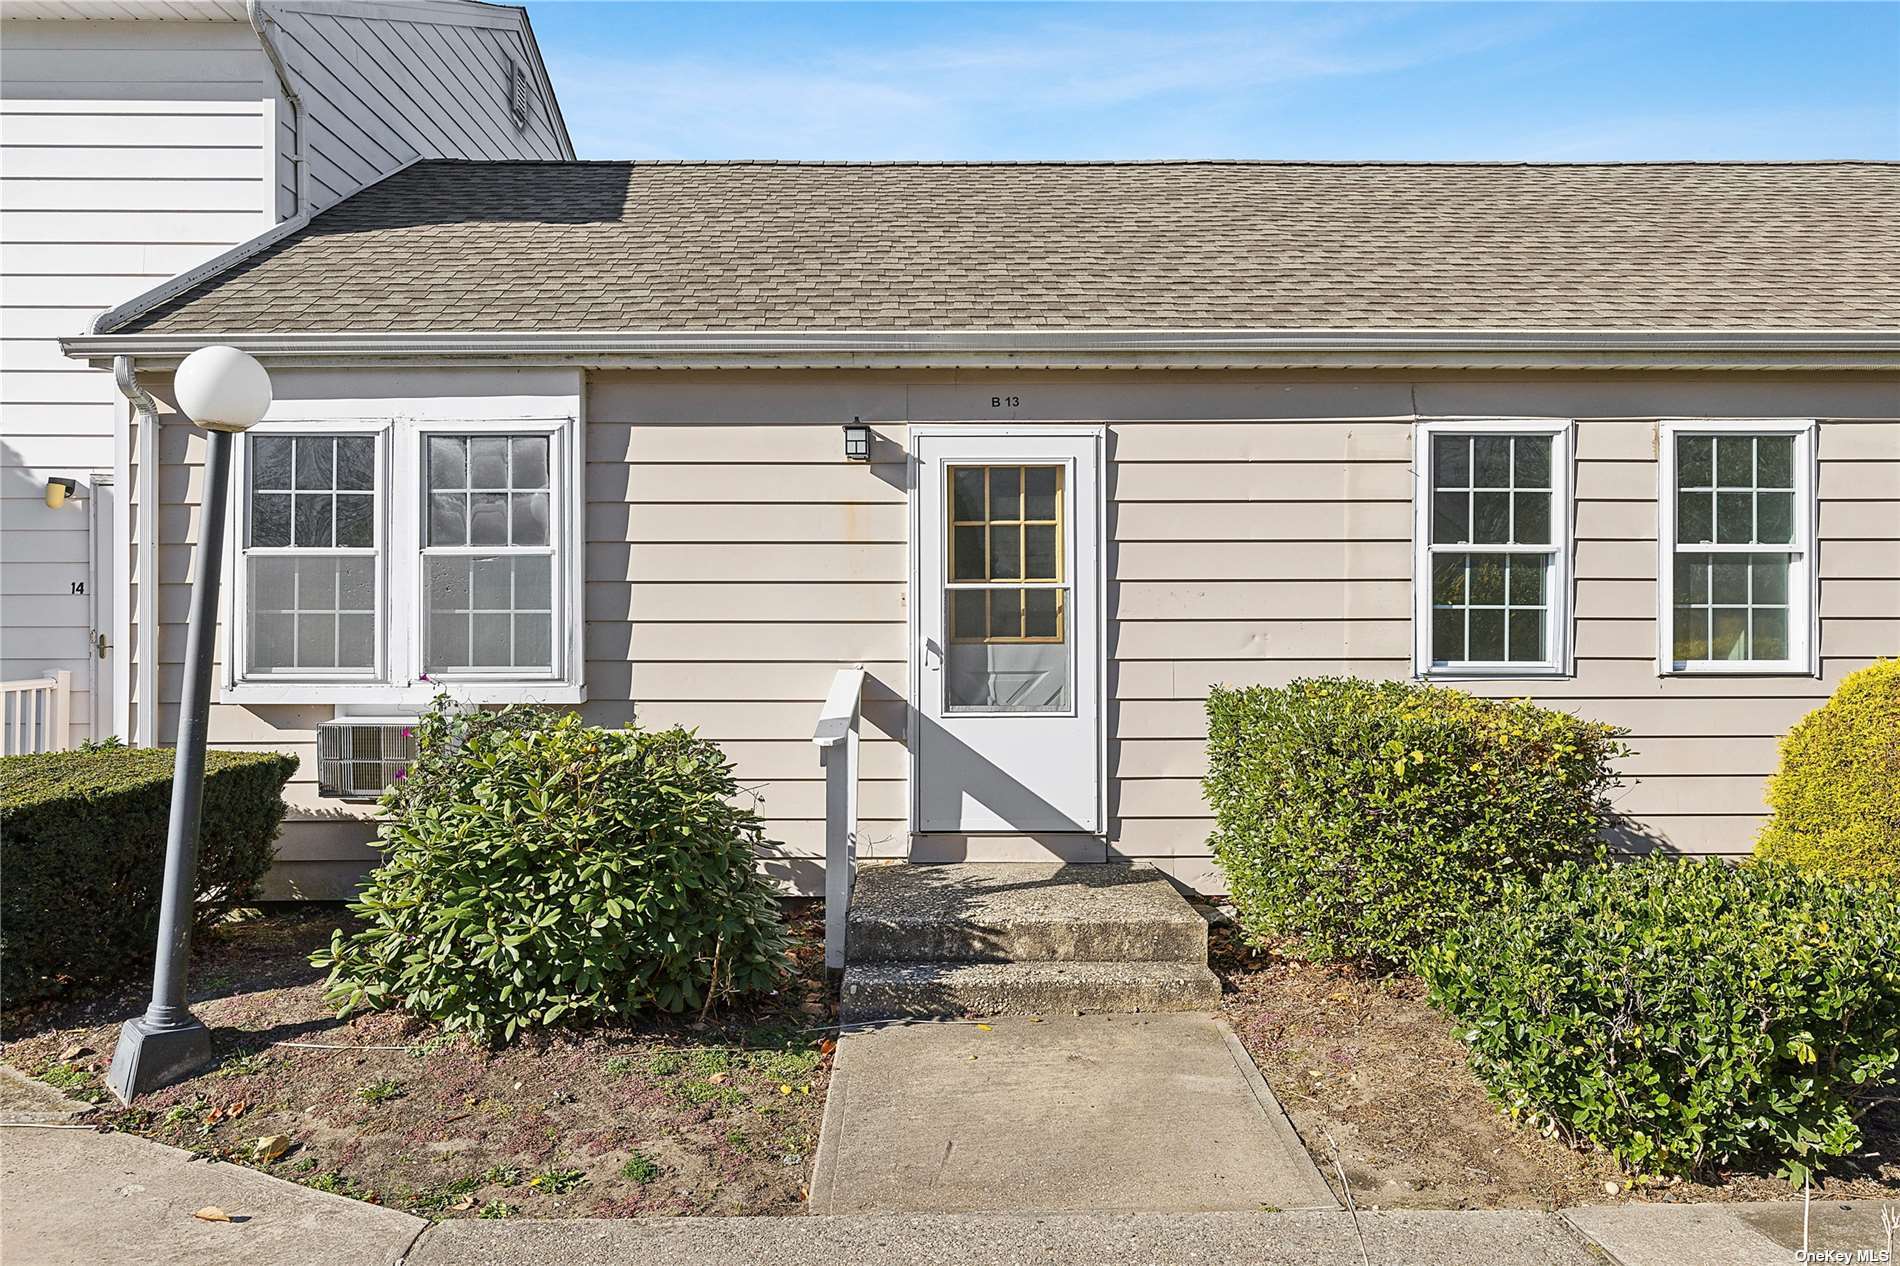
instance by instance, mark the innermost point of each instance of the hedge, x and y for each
(1836, 797)
(539, 870)
(1362, 819)
(1682, 1015)
(82, 847)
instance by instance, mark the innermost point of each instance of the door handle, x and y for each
(103, 645)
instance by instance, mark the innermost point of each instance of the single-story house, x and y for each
(1623, 438)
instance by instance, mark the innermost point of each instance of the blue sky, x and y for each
(1402, 81)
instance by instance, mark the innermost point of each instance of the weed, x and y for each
(498, 1209)
(244, 1064)
(558, 1182)
(382, 1090)
(666, 1064)
(66, 1076)
(640, 1168)
(708, 1060)
(337, 1185)
(620, 1066)
(700, 1093)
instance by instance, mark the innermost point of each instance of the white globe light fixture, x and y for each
(225, 392)
(222, 389)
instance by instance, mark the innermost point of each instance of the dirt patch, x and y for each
(685, 1117)
(1365, 1067)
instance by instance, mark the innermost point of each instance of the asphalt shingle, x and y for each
(502, 246)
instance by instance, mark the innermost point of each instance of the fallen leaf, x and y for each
(984, 1027)
(464, 1204)
(804, 1090)
(211, 1213)
(1035, 1019)
(827, 1046)
(72, 1053)
(270, 1147)
(717, 1079)
(785, 1090)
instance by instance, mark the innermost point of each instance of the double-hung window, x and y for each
(1492, 569)
(1737, 542)
(382, 559)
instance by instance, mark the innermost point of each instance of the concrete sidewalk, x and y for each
(75, 1197)
(1072, 1114)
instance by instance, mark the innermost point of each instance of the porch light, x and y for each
(224, 391)
(857, 441)
(60, 490)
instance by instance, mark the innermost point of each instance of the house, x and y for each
(1622, 438)
(141, 140)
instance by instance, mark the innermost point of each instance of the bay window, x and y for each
(1736, 532)
(381, 559)
(1492, 564)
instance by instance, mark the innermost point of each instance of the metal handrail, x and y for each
(836, 737)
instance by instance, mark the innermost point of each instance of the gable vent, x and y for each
(358, 757)
(520, 101)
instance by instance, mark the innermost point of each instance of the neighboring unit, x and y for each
(141, 140)
(1621, 438)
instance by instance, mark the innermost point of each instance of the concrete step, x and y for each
(901, 990)
(1021, 912)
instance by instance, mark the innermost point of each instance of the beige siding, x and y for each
(1260, 530)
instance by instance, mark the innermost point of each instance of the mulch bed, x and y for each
(1372, 1075)
(718, 1115)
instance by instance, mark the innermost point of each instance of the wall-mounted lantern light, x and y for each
(857, 441)
(60, 490)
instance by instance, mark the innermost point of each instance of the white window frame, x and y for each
(1804, 605)
(1558, 641)
(401, 528)
(238, 532)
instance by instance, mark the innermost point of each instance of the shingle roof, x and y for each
(511, 246)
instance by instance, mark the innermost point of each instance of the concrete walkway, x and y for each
(1098, 1113)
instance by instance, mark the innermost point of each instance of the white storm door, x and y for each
(1007, 671)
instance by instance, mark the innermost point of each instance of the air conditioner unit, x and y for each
(358, 757)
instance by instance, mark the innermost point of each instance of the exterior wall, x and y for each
(131, 151)
(135, 150)
(383, 84)
(1260, 529)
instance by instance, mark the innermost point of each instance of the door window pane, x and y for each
(1007, 634)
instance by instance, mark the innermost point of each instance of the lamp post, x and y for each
(224, 391)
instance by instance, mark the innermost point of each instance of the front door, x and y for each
(1007, 673)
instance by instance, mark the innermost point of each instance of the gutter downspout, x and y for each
(144, 414)
(300, 193)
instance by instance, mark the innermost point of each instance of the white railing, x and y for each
(837, 740)
(36, 715)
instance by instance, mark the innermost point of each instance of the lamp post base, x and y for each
(151, 1056)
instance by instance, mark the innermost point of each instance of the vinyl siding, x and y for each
(1259, 531)
(381, 90)
(128, 152)
(131, 151)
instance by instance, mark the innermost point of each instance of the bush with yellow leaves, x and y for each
(1836, 799)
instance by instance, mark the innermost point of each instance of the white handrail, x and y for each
(36, 714)
(837, 738)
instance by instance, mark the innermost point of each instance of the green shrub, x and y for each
(1682, 1015)
(537, 869)
(82, 848)
(1364, 818)
(1836, 799)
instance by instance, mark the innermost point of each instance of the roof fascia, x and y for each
(1043, 349)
